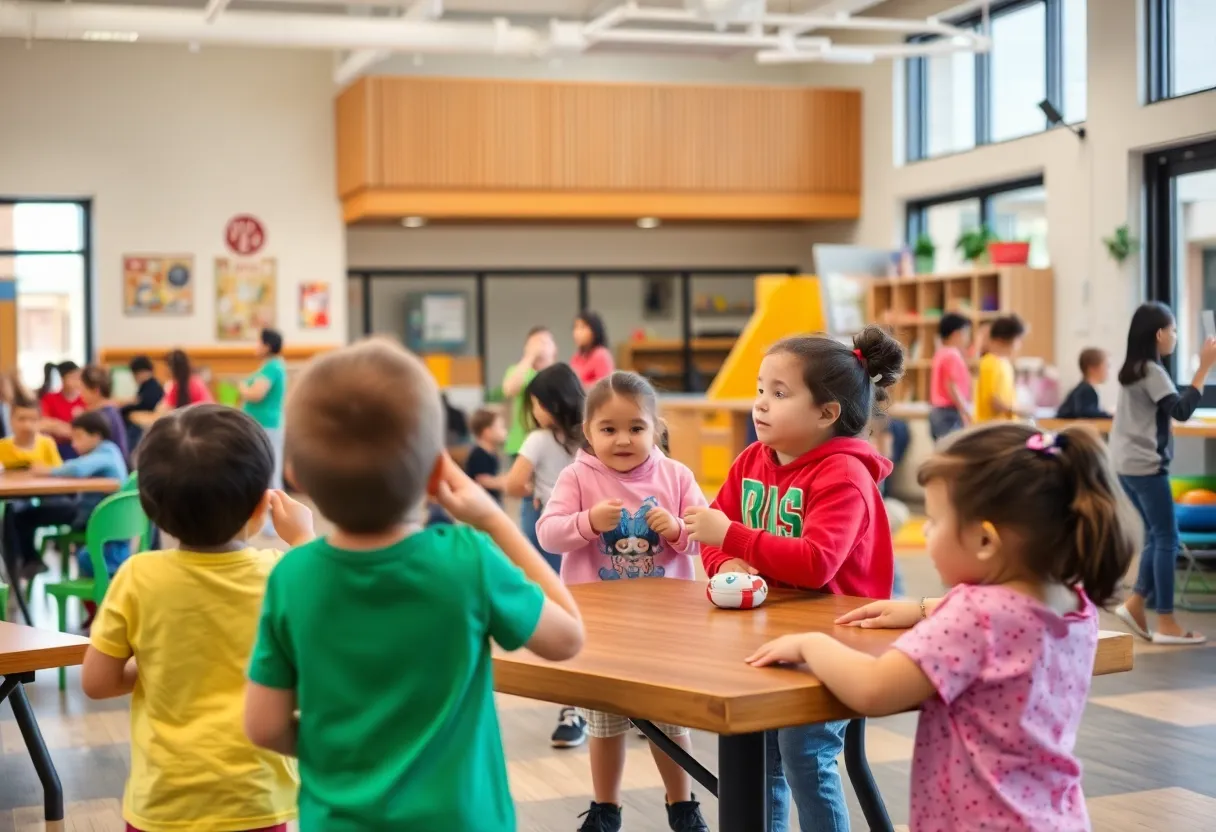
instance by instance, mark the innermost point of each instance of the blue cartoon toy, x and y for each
(631, 547)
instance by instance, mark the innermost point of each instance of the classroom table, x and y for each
(658, 651)
(1200, 428)
(24, 650)
(21, 486)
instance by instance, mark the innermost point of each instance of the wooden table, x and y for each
(24, 650)
(20, 485)
(1196, 428)
(657, 651)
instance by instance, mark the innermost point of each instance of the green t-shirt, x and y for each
(518, 430)
(269, 411)
(388, 652)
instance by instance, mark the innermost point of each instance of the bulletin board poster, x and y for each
(437, 322)
(314, 305)
(245, 298)
(158, 284)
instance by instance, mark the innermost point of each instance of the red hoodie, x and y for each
(817, 523)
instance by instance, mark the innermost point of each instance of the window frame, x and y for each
(916, 78)
(914, 217)
(85, 252)
(1159, 29)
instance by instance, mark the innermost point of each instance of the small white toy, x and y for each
(736, 591)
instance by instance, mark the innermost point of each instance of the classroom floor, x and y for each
(1148, 743)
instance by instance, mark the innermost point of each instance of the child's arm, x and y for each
(270, 695)
(675, 531)
(109, 664)
(270, 718)
(105, 677)
(82, 467)
(518, 481)
(726, 503)
(292, 519)
(566, 524)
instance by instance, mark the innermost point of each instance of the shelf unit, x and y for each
(662, 360)
(911, 307)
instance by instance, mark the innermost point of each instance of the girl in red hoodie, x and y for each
(801, 508)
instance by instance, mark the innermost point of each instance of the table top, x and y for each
(25, 649)
(1200, 428)
(19, 484)
(658, 650)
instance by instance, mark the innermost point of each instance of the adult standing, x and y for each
(592, 360)
(263, 394)
(540, 351)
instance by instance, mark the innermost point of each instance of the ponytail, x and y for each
(48, 379)
(179, 366)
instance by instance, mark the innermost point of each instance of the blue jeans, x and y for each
(1153, 499)
(802, 761)
(528, 515)
(116, 552)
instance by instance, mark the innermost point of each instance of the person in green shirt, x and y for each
(540, 351)
(372, 662)
(263, 393)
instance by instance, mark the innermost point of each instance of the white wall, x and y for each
(1092, 186)
(170, 145)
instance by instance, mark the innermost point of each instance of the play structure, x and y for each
(1195, 508)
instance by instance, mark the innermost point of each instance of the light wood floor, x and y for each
(1148, 744)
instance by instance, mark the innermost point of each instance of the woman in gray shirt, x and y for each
(1142, 446)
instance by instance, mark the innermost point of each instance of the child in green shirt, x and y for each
(380, 633)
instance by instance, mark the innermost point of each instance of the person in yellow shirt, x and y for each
(26, 446)
(177, 629)
(995, 394)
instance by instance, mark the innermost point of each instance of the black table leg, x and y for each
(864, 787)
(742, 784)
(14, 583)
(52, 790)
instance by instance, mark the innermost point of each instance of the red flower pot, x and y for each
(1008, 254)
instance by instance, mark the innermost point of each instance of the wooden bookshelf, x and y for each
(913, 306)
(662, 361)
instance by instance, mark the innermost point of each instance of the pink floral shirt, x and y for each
(995, 746)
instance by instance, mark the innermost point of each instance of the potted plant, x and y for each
(1121, 245)
(924, 253)
(1011, 253)
(973, 244)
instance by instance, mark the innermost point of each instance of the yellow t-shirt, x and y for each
(995, 379)
(44, 452)
(190, 620)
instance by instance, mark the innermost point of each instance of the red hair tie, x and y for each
(861, 358)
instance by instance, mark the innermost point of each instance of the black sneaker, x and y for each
(686, 816)
(571, 730)
(604, 817)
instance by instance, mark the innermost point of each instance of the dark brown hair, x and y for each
(1006, 328)
(202, 472)
(558, 390)
(634, 387)
(481, 420)
(97, 378)
(365, 428)
(1091, 359)
(1064, 506)
(179, 368)
(857, 378)
(93, 422)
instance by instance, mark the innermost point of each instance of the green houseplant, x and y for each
(973, 244)
(924, 253)
(1121, 244)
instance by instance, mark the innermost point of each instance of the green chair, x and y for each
(117, 518)
(3, 600)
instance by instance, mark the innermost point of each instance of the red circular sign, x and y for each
(245, 235)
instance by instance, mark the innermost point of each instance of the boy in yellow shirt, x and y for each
(27, 447)
(995, 394)
(177, 628)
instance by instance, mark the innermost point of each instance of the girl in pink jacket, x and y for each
(615, 515)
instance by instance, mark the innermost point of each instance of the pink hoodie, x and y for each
(631, 550)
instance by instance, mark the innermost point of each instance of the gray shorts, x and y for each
(603, 725)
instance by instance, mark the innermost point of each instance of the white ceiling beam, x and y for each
(214, 9)
(358, 62)
(424, 10)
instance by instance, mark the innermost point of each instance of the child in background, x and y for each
(379, 676)
(185, 388)
(1142, 446)
(540, 351)
(592, 360)
(95, 391)
(25, 446)
(146, 398)
(949, 378)
(1031, 531)
(802, 508)
(614, 515)
(60, 407)
(555, 423)
(177, 627)
(1082, 401)
(489, 433)
(995, 392)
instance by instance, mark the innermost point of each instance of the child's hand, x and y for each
(737, 565)
(706, 525)
(464, 499)
(605, 516)
(39, 469)
(790, 649)
(661, 521)
(292, 519)
(883, 615)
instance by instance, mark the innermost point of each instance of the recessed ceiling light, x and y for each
(649, 222)
(114, 37)
(414, 222)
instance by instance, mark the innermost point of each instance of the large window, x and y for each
(1181, 34)
(44, 248)
(959, 100)
(1014, 211)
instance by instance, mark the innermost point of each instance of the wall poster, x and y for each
(158, 284)
(314, 305)
(245, 298)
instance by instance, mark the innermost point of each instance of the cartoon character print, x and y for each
(631, 547)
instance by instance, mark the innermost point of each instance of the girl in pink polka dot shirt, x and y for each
(1030, 530)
